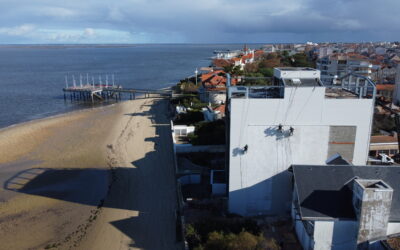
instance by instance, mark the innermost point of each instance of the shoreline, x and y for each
(61, 113)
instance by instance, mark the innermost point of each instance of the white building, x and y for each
(227, 54)
(345, 207)
(297, 121)
(396, 93)
(338, 65)
(325, 51)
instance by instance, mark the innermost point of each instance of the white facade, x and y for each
(182, 130)
(396, 93)
(291, 73)
(227, 54)
(259, 182)
(342, 65)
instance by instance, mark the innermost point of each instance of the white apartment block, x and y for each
(396, 93)
(338, 65)
(296, 121)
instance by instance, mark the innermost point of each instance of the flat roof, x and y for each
(324, 191)
(296, 69)
(302, 82)
(383, 139)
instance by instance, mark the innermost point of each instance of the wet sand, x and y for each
(92, 179)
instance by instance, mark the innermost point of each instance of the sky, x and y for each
(205, 21)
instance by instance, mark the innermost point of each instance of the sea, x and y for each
(32, 76)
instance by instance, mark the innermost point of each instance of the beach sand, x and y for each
(93, 179)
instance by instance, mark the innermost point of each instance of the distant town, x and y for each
(290, 146)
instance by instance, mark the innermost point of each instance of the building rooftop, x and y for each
(383, 139)
(296, 69)
(324, 191)
(304, 82)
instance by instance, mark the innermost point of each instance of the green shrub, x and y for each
(242, 241)
(208, 133)
(189, 118)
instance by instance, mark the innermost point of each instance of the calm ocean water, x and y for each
(32, 78)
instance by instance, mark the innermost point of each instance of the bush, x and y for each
(186, 87)
(189, 118)
(227, 234)
(242, 241)
(208, 133)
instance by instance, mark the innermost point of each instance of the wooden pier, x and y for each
(99, 92)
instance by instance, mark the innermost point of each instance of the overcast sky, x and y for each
(202, 21)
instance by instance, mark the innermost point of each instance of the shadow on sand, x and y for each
(148, 187)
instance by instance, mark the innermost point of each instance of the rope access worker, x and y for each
(245, 148)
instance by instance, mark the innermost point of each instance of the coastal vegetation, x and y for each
(208, 133)
(269, 61)
(189, 118)
(260, 72)
(227, 234)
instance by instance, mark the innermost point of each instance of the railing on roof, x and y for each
(359, 85)
(352, 86)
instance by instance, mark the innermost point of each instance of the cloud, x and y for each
(89, 32)
(204, 21)
(21, 30)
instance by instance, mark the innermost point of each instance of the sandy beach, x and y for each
(93, 179)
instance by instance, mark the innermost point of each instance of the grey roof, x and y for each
(337, 159)
(324, 192)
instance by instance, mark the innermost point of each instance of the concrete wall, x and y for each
(328, 235)
(393, 228)
(183, 130)
(258, 180)
(373, 210)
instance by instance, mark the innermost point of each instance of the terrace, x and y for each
(352, 86)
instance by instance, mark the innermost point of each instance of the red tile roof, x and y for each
(220, 108)
(216, 80)
(389, 87)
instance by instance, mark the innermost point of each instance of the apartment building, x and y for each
(338, 65)
(298, 120)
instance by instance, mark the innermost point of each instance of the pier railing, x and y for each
(104, 92)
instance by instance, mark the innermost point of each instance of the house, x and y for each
(298, 120)
(213, 87)
(212, 114)
(344, 206)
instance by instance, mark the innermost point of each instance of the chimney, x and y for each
(372, 201)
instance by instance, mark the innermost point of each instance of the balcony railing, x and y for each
(352, 86)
